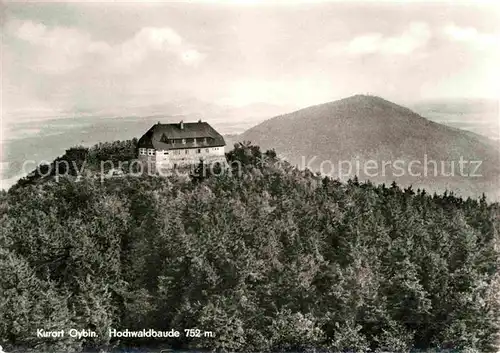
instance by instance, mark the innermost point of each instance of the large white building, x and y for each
(181, 144)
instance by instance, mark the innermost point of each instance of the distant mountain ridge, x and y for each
(369, 128)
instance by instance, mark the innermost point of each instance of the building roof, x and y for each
(156, 135)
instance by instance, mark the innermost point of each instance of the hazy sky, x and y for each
(77, 56)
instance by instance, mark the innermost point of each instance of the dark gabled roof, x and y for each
(155, 136)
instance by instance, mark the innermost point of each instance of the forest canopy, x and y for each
(271, 258)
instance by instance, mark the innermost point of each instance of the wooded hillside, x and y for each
(271, 258)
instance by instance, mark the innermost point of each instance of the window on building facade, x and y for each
(142, 151)
(186, 151)
(184, 141)
(151, 152)
(198, 150)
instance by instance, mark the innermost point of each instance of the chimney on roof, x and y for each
(181, 125)
(199, 121)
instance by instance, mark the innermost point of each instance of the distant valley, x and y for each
(480, 116)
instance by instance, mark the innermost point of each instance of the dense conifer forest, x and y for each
(268, 258)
